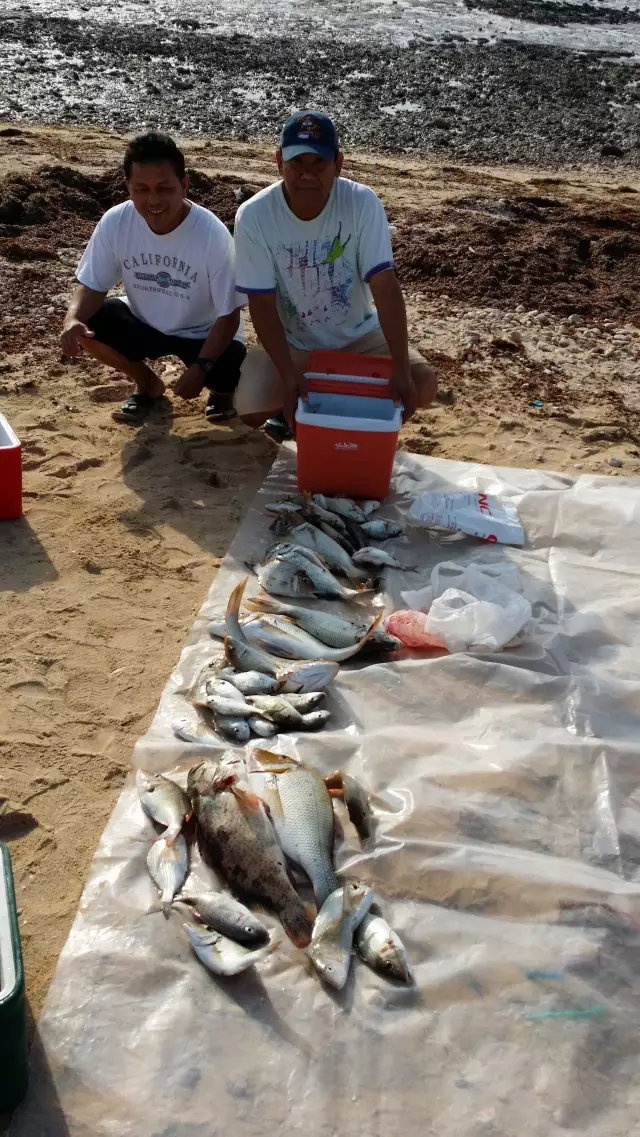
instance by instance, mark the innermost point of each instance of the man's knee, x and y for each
(426, 381)
(255, 420)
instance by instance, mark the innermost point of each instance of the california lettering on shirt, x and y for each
(157, 259)
(178, 282)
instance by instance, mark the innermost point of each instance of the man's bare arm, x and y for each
(392, 314)
(191, 381)
(83, 305)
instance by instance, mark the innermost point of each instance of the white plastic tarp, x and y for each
(507, 856)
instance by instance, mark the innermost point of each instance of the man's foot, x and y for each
(277, 429)
(136, 408)
(219, 408)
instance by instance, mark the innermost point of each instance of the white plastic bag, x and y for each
(476, 514)
(474, 606)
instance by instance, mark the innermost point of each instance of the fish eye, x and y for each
(248, 929)
(388, 964)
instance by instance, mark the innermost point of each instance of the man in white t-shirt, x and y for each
(176, 261)
(314, 257)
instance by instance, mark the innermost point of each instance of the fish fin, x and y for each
(273, 802)
(371, 629)
(235, 599)
(157, 906)
(247, 800)
(311, 910)
(335, 791)
(166, 908)
(296, 924)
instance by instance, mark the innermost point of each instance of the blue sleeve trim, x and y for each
(253, 291)
(379, 268)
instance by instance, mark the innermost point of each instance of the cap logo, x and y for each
(308, 128)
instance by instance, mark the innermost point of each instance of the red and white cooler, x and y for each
(347, 431)
(10, 472)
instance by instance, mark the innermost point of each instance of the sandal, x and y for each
(136, 408)
(277, 429)
(219, 407)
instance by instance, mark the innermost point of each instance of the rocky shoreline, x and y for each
(492, 102)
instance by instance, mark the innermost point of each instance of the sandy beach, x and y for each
(521, 287)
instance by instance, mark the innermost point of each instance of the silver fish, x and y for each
(379, 558)
(277, 709)
(164, 801)
(369, 507)
(243, 656)
(333, 555)
(168, 866)
(315, 720)
(331, 630)
(229, 708)
(312, 675)
(344, 507)
(383, 949)
(280, 636)
(254, 683)
(276, 508)
(193, 732)
(302, 815)
(262, 727)
(211, 670)
(222, 912)
(381, 530)
(233, 729)
(306, 703)
(333, 931)
(295, 550)
(293, 574)
(356, 800)
(223, 956)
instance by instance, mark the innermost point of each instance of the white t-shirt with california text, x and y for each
(319, 269)
(179, 283)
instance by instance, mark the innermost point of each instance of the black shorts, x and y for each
(116, 326)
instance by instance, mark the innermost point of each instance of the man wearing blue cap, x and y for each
(314, 257)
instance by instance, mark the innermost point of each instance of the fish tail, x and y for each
(296, 923)
(376, 623)
(166, 908)
(232, 616)
(263, 603)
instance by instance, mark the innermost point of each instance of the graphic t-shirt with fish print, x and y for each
(179, 283)
(319, 269)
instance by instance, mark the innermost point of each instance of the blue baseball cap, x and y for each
(309, 132)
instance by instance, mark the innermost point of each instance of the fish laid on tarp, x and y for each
(381, 530)
(355, 798)
(168, 867)
(225, 914)
(262, 727)
(332, 940)
(224, 956)
(343, 506)
(290, 573)
(233, 728)
(164, 801)
(279, 710)
(242, 655)
(280, 636)
(383, 949)
(236, 831)
(333, 555)
(195, 733)
(379, 558)
(331, 630)
(369, 507)
(302, 814)
(252, 682)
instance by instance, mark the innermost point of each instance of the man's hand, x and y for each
(191, 382)
(295, 386)
(73, 333)
(403, 390)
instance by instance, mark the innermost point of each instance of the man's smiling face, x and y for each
(158, 194)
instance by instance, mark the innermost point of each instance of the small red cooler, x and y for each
(10, 472)
(347, 432)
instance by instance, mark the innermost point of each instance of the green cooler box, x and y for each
(13, 1023)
